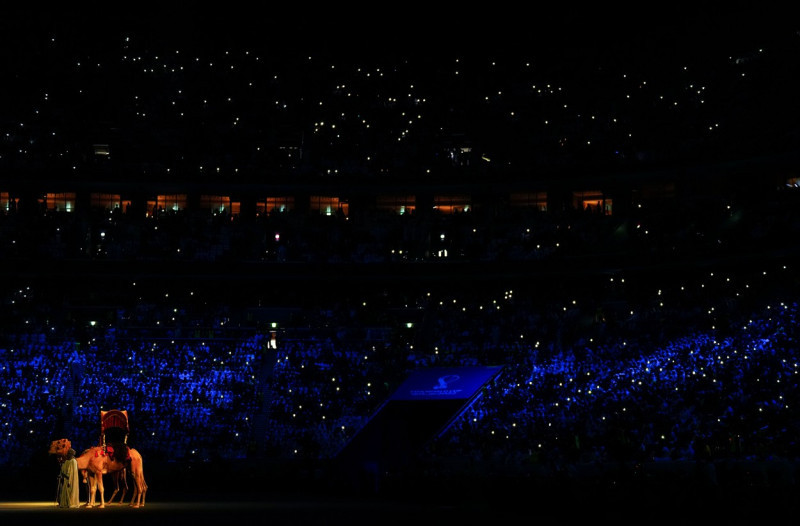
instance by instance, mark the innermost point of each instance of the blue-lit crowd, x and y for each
(700, 368)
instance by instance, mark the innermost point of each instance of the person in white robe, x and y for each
(68, 492)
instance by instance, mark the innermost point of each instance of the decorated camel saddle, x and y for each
(114, 435)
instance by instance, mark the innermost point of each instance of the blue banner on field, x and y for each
(440, 383)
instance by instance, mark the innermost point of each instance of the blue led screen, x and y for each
(439, 383)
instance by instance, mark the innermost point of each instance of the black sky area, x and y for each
(569, 29)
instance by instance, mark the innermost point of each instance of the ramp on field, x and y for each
(420, 409)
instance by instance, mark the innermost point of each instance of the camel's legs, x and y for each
(113, 493)
(100, 487)
(92, 489)
(85, 480)
(139, 490)
(117, 476)
(95, 486)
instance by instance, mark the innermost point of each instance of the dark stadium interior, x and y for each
(344, 267)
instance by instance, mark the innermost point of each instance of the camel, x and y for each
(93, 463)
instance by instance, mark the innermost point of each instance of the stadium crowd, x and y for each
(696, 368)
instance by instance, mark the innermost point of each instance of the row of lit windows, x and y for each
(593, 200)
(326, 205)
